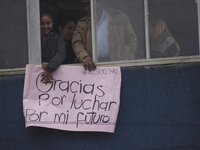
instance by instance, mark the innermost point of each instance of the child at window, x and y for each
(53, 46)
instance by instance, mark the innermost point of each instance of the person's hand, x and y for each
(44, 64)
(46, 77)
(88, 63)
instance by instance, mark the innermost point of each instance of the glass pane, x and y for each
(120, 30)
(14, 44)
(173, 28)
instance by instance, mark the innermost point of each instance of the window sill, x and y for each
(133, 63)
(8, 72)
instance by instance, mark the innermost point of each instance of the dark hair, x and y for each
(47, 12)
(62, 20)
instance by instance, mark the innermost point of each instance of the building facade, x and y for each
(159, 102)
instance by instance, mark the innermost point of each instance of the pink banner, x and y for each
(77, 100)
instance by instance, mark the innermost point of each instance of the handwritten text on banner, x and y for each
(77, 100)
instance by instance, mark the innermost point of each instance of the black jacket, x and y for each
(70, 57)
(53, 50)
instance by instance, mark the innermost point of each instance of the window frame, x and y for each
(146, 61)
(198, 15)
(33, 27)
(34, 43)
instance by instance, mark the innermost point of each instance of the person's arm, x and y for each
(79, 48)
(55, 62)
(77, 42)
(59, 56)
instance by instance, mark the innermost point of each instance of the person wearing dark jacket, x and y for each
(53, 47)
(65, 26)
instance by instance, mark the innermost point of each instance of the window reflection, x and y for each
(179, 18)
(162, 43)
(120, 35)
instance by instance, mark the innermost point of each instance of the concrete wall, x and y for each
(159, 110)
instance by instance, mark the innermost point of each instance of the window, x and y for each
(169, 27)
(125, 30)
(13, 47)
(180, 17)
